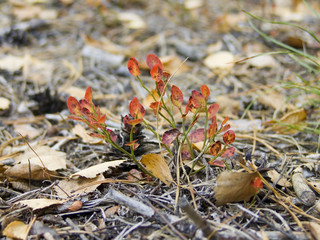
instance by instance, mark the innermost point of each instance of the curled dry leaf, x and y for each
(30, 171)
(158, 166)
(236, 187)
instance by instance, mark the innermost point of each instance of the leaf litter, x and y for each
(80, 175)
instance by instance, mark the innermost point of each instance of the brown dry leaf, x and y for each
(228, 106)
(220, 60)
(105, 44)
(272, 99)
(93, 171)
(4, 103)
(292, 118)
(77, 186)
(27, 130)
(234, 187)
(82, 132)
(314, 229)
(173, 63)
(16, 230)
(23, 171)
(149, 99)
(52, 159)
(112, 210)
(274, 176)
(40, 203)
(158, 166)
(228, 22)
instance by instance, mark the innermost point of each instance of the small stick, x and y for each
(196, 218)
(301, 188)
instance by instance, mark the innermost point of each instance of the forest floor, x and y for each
(59, 182)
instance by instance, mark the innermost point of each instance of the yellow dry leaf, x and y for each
(40, 203)
(291, 118)
(82, 132)
(274, 176)
(51, 159)
(16, 230)
(272, 99)
(132, 20)
(92, 172)
(158, 166)
(78, 186)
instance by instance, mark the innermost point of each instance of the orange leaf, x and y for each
(156, 72)
(212, 129)
(154, 106)
(236, 187)
(229, 137)
(160, 86)
(153, 60)
(225, 128)
(74, 106)
(133, 67)
(176, 96)
(215, 148)
(213, 109)
(198, 99)
(88, 96)
(133, 144)
(158, 166)
(205, 91)
(136, 109)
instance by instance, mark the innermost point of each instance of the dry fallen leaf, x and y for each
(291, 118)
(172, 64)
(272, 99)
(263, 61)
(274, 176)
(16, 230)
(236, 187)
(40, 203)
(77, 186)
(220, 60)
(29, 171)
(158, 166)
(314, 229)
(51, 158)
(27, 130)
(132, 20)
(93, 171)
(82, 132)
(228, 106)
(4, 103)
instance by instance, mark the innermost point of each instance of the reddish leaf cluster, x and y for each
(85, 111)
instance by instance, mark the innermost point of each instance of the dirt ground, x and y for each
(53, 49)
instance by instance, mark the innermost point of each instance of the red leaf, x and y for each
(225, 128)
(197, 135)
(185, 155)
(213, 109)
(229, 137)
(74, 106)
(198, 99)
(228, 152)
(88, 96)
(257, 183)
(113, 135)
(136, 109)
(154, 106)
(216, 163)
(215, 148)
(169, 136)
(156, 72)
(93, 134)
(212, 129)
(190, 106)
(205, 91)
(160, 86)
(166, 76)
(133, 67)
(176, 96)
(153, 60)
